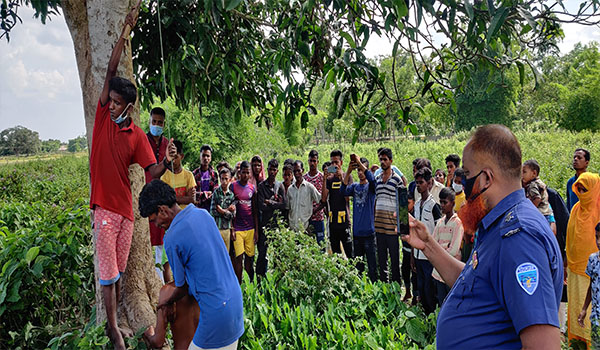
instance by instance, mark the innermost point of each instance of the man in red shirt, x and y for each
(116, 144)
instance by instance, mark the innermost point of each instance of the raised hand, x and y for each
(419, 235)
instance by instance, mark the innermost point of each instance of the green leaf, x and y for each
(304, 120)
(521, 67)
(426, 88)
(401, 8)
(413, 129)
(349, 39)
(31, 254)
(231, 4)
(469, 9)
(496, 23)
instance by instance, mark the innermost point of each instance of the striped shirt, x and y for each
(385, 204)
(449, 235)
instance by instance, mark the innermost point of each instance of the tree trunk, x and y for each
(95, 26)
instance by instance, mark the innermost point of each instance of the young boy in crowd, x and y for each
(535, 190)
(339, 223)
(222, 206)
(301, 196)
(440, 176)
(448, 232)
(206, 178)
(593, 295)
(459, 174)
(428, 212)
(288, 178)
(182, 181)
(363, 207)
(257, 175)
(452, 163)
(270, 199)
(315, 177)
(245, 231)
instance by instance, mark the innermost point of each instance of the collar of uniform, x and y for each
(127, 128)
(502, 207)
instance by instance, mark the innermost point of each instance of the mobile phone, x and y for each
(402, 210)
(332, 169)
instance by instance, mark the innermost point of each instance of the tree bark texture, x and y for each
(95, 26)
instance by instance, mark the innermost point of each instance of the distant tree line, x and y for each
(19, 140)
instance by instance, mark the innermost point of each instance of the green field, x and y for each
(309, 300)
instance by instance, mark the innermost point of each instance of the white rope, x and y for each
(162, 61)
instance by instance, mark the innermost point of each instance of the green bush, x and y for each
(582, 111)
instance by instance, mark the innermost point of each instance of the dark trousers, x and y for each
(388, 244)
(341, 235)
(366, 246)
(261, 260)
(442, 291)
(406, 270)
(318, 228)
(425, 285)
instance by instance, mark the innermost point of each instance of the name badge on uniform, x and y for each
(527, 276)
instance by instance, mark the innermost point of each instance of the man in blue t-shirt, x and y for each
(200, 265)
(363, 215)
(507, 294)
(581, 160)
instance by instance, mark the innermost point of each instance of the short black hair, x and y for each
(206, 148)
(447, 193)
(299, 163)
(157, 111)
(273, 163)
(313, 153)
(365, 162)
(459, 172)
(123, 87)
(225, 170)
(385, 152)
(155, 194)
(424, 173)
(442, 170)
(416, 161)
(223, 164)
(179, 145)
(598, 227)
(256, 159)
(533, 165)
(244, 165)
(326, 165)
(454, 158)
(336, 153)
(287, 167)
(586, 153)
(289, 161)
(423, 163)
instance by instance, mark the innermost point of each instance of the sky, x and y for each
(40, 84)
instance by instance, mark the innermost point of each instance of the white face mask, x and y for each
(457, 187)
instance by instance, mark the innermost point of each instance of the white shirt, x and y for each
(300, 202)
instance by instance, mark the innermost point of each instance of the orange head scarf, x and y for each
(581, 239)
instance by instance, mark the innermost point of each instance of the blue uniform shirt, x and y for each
(199, 258)
(571, 196)
(363, 205)
(512, 280)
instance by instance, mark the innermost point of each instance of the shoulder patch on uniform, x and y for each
(527, 276)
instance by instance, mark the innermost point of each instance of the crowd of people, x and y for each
(487, 239)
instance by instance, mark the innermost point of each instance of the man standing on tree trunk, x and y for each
(117, 143)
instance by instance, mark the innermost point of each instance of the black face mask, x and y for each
(468, 186)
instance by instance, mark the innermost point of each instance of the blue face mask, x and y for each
(121, 118)
(156, 130)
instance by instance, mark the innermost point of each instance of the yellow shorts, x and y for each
(226, 235)
(244, 243)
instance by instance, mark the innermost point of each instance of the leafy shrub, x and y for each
(581, 112)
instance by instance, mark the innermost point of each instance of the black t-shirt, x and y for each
(338, 210)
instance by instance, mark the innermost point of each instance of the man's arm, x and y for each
(178, 293)
(419, 238)
(157, 170)
(540, 336)
(586, 304)
(115, 57)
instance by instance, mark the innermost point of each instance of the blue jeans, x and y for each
(318, 228)
(366, 246)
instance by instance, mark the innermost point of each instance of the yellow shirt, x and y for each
(181, 182)
(458, 201)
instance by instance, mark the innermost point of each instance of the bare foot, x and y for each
(114, 334)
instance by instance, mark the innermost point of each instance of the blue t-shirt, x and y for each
(593, 270)
(199, 258)
(363, 206)
(513, 279)
(571, 196)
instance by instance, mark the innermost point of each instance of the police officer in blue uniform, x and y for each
(507, 294)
